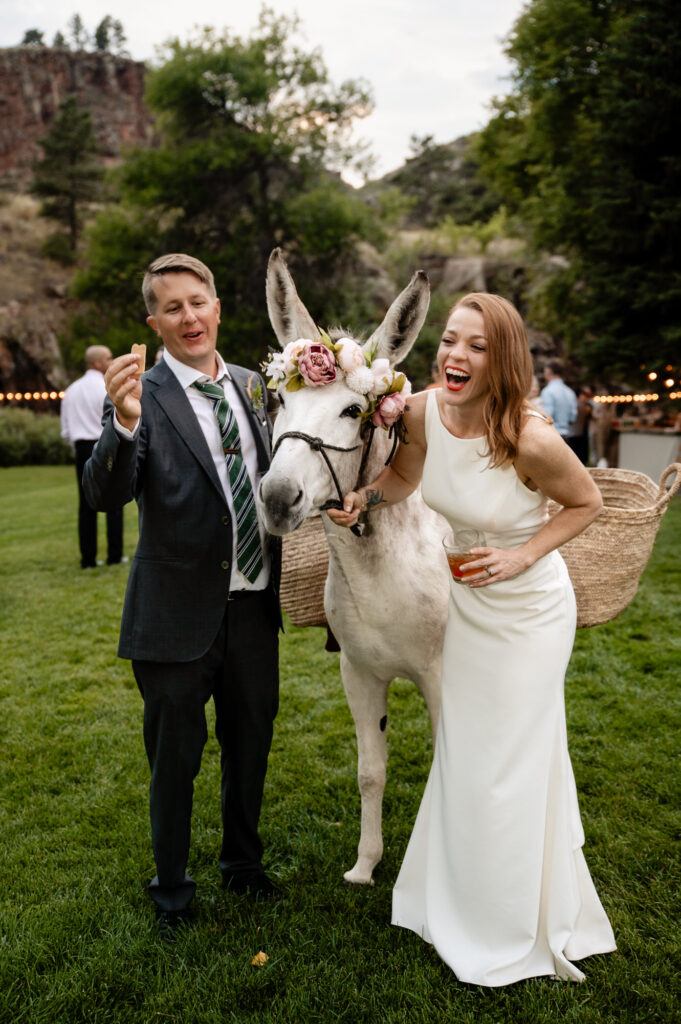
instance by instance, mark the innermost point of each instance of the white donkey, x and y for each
(386, 591)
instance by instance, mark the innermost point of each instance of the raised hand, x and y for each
(124, 388)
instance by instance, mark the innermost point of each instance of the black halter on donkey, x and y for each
(317, 444)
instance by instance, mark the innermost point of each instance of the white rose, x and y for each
(349, 355)
(382, 374)
(291, 354)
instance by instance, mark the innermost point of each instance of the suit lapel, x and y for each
(167, 391)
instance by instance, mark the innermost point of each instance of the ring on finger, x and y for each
(490, 572)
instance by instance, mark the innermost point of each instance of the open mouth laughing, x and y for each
(456, 378)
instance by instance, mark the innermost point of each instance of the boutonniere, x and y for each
(255, 395)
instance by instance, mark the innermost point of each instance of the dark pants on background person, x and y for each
(87, 519)
(580, 446)
(240, 672)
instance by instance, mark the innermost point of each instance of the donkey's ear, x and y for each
(288, 315)
(403, 321)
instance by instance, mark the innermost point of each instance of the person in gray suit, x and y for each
(189, 441)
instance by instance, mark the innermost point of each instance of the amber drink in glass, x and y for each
(457, 545)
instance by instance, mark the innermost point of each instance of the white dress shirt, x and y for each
(203, 407)
(81, 408)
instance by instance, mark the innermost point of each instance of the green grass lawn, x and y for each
(77, 934)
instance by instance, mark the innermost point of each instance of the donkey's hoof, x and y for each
(357, 878)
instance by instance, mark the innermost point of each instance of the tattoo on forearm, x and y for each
(372, 498)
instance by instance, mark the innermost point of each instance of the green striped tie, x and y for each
(248, 549)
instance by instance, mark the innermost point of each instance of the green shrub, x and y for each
(58, 247)
(30, 439)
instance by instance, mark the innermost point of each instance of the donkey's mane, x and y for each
(343, 332)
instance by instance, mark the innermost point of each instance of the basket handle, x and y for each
(664, 495)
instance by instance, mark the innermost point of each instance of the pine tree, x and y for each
(118, 38)
(103, 33)
(68, 177)
(78, 31)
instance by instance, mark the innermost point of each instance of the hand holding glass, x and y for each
(457, 545)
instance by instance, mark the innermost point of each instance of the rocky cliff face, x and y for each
(34, 81)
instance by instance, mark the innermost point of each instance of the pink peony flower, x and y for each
(389, 410)
(317, 364)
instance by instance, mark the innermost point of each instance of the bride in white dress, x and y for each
(494, 876)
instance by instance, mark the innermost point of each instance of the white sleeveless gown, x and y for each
(494, 876)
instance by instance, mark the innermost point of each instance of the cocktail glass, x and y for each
(457, 545)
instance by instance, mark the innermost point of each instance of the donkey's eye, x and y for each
(353, 411)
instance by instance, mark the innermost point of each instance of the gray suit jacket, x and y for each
(180, 575)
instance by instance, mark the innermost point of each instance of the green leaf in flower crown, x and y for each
(272, 384)
(397, 384)
(295, 383)
(325, 339)
(370, 353)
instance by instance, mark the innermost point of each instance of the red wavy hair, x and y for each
(510, 373)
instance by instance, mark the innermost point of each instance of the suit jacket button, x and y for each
(225, 565)
(226, 520)
(109, 463)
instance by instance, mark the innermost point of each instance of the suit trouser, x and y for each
(87, 518)
(240, 672)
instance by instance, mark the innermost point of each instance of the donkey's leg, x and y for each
(429, 684)
(367, 696)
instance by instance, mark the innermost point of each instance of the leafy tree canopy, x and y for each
(33, 37)
(439, 180)
(253, 135)
(585, 148)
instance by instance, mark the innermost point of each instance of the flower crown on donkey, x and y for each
(316, 363)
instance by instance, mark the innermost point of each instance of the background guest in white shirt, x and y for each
(81, 425)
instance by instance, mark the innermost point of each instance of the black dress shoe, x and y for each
(256, 885)
(169, 923)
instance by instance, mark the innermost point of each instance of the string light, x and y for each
(30, 396)
(633, 398)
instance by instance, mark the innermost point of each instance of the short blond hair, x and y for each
(174, 263)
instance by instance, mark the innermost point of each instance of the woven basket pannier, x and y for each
(605, 562)
(305, 563)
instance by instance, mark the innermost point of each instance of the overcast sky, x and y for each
(433, 65)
